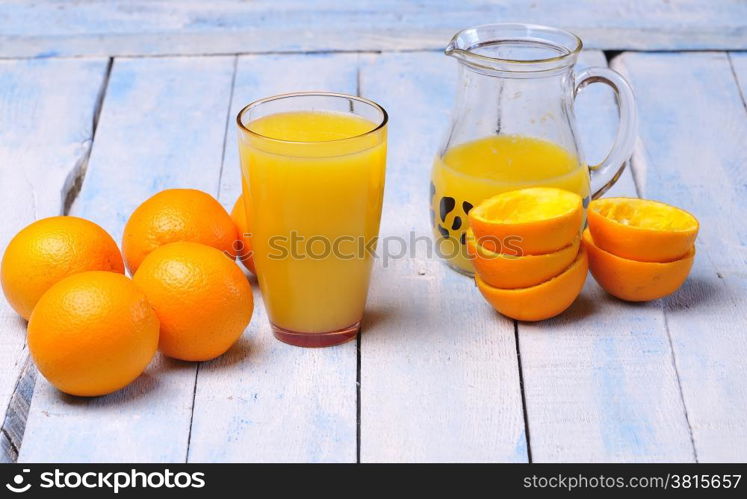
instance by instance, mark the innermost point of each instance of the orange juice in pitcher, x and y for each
(474, 171)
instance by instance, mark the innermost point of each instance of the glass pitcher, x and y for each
(513, 126)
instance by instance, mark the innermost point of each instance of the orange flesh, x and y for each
(527, 205)
(645, 214)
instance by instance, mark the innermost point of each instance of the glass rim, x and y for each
(383, 122)
(467, 53)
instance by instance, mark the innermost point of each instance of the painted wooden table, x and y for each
(102, 104)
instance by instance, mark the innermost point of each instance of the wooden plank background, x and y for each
(145, 142)
(162, 27)
(599, 381)
(437, 375)
(265, 400)
(427, 350)
(48, 109)
(691, 153)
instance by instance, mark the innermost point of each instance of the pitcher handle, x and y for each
(605, 174)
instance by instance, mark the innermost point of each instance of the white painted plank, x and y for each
(738, 61)
(161, 126)
(439, 377)
(596, 122)
(47, 110)
(265, 400)
(599, 381)
(691, 154)
(150, 27)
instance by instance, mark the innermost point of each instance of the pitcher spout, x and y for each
(519, 49)
(452, 50)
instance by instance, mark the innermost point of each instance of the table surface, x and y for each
(104, 104)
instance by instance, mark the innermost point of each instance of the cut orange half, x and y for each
(639, 229)
(510, 272)
(529, 221)
(633, 280)
(542, 301)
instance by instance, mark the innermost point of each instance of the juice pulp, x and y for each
(313, 198)
(471, 172)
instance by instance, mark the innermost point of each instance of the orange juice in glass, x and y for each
(313, 167)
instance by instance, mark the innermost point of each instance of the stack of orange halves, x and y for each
(639, 250)
(526, 249)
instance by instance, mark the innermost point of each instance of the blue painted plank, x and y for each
(150, 27)
(738, 61)
(162, 126)
(439, 376)
(265, 401)
(47, 110)
(599, 381)
(691, 154)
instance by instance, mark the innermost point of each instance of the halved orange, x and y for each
(542, 301)
(529, 221)
(633, 280)
(508, 271)
(640, 229)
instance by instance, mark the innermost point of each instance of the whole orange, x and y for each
(238, 214)
(49, 250)
(92, 333)
(177, 215)
(201, 297)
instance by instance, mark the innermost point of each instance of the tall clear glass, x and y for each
(313, 168)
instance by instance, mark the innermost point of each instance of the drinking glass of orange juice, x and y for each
(313, 167)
